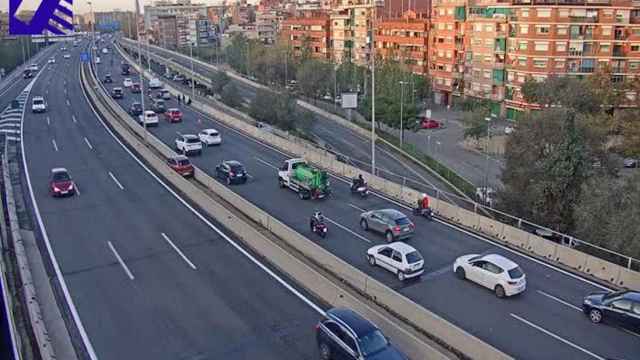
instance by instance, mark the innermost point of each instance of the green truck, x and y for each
(307, 181)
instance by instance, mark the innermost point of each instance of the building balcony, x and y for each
(583, 19)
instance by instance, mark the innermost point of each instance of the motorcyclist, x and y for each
(357, 182)
(423, 204)
(316, 219)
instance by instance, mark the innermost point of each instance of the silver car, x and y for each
(392, 223)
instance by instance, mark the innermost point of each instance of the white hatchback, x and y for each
(149, 118)
(492, 271)
(127, 82)
(397, 257)
(210, 137)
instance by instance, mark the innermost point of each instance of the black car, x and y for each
(344, 334)
(135, 109)
(108, 79)
(117, 93)
(28, 74)
(159, 107)
(621, 308)
(231, 171)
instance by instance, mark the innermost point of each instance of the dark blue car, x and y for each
(345, 335)
(620, 308)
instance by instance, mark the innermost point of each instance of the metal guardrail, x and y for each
(479, 207)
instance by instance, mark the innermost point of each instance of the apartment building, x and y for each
(268, 25)
(351, 22)
(165, 31)
(405, 39)
(570, 38)
(200, 33)
(313, 29)
(180, 8)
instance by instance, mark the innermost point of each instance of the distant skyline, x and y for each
(81, 7)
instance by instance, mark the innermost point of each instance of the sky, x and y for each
(81, 7)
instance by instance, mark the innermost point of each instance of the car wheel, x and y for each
(389, 236)
(460, 273)
(281, 183)
(364, 225)
(500, 291)
(400, 275)
(372, 260)
(595, 316)
(301, 195)
(228, 181)
(325, 352)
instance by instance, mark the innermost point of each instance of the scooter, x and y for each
(363, 190)
(427, 213)
(320, 229)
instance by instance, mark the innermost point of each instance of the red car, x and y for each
(430, 124)
(60, 183)
(173, 115)
(181, 165)
(135, 88)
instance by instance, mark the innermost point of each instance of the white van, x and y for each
(155, 83)
(38, 104)
(150, 118)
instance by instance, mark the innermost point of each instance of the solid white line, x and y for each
(73, 117)
(68, 103)
(124, 266)
(10, 125)
(77, 189)
(178, 251)
(63, 284)
(88, 143)
(239, 248)
(348, 230)
(559, 300)
(55, 146)
(9, 131)
(116, 180)
(357, 208)
(266, 163)
(630, 332)
(558, 337)
(48, 121)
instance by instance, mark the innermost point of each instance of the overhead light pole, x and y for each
(193, 80)
(139, 36)
(373, 94)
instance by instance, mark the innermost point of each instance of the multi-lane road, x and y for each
(150, 277)
(545, 322)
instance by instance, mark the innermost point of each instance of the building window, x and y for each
(521, 78)
(542, 29)
(607, 12)
(540, 63)
(635, 47)
(563, 13)
(524, 13)
(488, 42)
(522, 45)
(634, 65)
(477, 27)
(560, 64)
(606, 30)
(524, 29)
(544, 13)
(522, 61)
(510, 75)
(561, 46)
(605, 48)
(449, 55)
(561, 30)
(488, 28)
(541, 46)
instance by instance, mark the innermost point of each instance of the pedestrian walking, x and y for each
(179, 99)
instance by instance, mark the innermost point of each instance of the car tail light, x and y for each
(317, 327)
(396, 229)
(231, 173)
(412, 225)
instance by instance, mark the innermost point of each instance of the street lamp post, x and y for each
(373, 95)
(193, 80)
(486, 172)
(93, 37)
(139, 36)
(402, 84)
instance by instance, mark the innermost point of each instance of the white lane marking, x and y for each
(348, 230)
(357, 208)
(116, 180)
(9, 131)
(630, 332)
(48, 121)
(266, 163)
(63, 284)
(88, 143)
(235, 245)
(55, 146)
(10, 125)
(559, 300)
(124, 266)
(77, 189)
(73, 117)
(178, 251)
(68, 103)
(557, 337)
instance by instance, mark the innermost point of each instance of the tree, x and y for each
(219, 80)
(564, 91)
(230, 96)
(475, 125)
(608, 214)
(278, 109)
(628, 126)
(315, 78)
(236, 53)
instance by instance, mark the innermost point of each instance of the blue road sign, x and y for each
(84, 57)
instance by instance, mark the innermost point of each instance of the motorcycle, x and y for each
(320, 229)
(427, 213)
(362, 190)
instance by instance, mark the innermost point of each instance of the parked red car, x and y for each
(181, 165)
(60, 183)
(173, 115)
(430, 124)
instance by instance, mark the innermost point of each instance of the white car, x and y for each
(492, 271)
(155, 83)
(105, 51)
(187, 144)
(397, 257)
(33, 67)
(127, 82)
(509, 129)
(150, 118)
(51, 61)
(97, 60)
(38, 104)
(67, 56)
(210, 137)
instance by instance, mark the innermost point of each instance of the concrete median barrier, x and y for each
(542, 247)
(570, 257)
(602, 270)
(468, 218)
(490, 227)
(515, 236)
(629, 279)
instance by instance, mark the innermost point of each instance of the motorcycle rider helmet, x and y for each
(318, 216)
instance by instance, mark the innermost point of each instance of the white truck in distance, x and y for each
(307, 181)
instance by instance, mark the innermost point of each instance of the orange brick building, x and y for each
(405, 40)
(312, 29)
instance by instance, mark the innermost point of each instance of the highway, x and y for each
(150, 277)
(543, 323)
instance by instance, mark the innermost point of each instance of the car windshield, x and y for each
(372, 343)
(516, 273)
(614, 294)
(61, 176)
(192, 140)
(213, 133)
(236, 168)
(403, 221)
(160, 103)
(413, 257)
(38, 101)
(184, 162)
